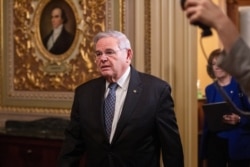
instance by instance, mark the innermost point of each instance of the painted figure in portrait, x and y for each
(58, 39)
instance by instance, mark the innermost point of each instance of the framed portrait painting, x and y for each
(57, 27)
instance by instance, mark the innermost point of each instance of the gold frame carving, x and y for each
(33, 80)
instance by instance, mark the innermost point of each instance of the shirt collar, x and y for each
(58, 30)
(123, 81)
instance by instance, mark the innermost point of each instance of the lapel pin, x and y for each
(134, 91)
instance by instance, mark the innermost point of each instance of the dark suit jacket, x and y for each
(146, 126)
(62, 43)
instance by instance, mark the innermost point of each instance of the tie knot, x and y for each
(113, 86)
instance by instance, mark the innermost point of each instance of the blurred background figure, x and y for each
(227, 148)
(236, 61)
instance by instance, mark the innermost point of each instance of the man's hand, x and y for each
(204, 11)
(209, 14)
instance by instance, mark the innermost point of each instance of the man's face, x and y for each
(56, 18)
(112, 61)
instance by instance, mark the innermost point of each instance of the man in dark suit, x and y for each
(59, 39)
(144, 123)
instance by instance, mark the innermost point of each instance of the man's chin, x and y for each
(106, 73)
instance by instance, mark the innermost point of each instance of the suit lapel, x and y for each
(98, 115)
(133, 95)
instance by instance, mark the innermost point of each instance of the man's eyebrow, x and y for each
(56, 15)
(108, 49)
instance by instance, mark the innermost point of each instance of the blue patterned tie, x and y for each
(109, 107)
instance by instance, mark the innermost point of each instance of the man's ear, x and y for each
(129, 53)
(129, 56)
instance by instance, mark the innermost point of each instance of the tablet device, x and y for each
(213, 114)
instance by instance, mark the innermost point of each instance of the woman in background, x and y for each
(228, 148)
(236, 61)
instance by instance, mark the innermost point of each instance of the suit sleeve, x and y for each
(73, 147)
(237, 63)
(168, 132)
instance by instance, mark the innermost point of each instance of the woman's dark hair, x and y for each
(214, 54)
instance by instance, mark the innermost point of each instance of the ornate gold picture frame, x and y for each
(34, 79)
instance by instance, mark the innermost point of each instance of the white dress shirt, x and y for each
(56, 32)
(121, 93)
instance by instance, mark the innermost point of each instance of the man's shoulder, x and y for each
(66, 32)
(152, 81)
(91, 83)
(150, 77)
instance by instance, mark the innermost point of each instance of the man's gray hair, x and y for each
(123, 41)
